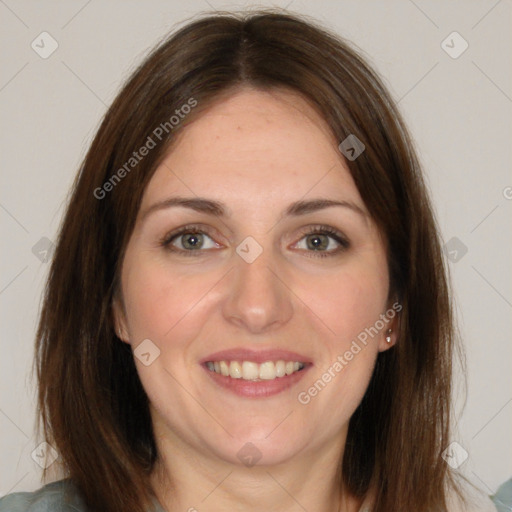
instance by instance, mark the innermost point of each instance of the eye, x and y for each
(323, 241)
(189, 241)
(193, 240)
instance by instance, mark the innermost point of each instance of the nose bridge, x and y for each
(258, 300)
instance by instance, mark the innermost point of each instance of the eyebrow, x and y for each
(217, 209)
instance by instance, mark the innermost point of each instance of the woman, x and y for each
(247, 307)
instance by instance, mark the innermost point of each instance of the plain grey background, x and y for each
(456, 101)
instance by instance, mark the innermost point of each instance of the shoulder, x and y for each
(503, 497)
(60, 496)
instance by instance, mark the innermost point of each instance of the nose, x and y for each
(258, 298)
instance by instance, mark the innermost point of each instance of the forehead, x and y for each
(257, 120)
(254, 147)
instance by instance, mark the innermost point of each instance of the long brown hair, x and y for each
(93, 407)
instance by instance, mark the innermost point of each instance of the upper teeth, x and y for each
(248, 370)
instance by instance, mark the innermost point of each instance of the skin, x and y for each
(256, 152)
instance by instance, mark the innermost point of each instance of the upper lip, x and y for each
(256, 356)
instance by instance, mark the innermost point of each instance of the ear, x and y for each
(119, 319)
(391, 318)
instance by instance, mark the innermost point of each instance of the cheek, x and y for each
(350, 303)
(156, 299)
(347, 301)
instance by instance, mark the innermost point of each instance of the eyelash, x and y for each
(196, 229)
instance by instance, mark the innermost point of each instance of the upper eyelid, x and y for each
(188, 228)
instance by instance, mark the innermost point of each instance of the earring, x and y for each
(388, 337)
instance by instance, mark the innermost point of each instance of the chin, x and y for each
(255, 447)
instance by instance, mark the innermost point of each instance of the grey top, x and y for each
(503, 497)
(62, 496)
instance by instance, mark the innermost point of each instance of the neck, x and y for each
(185, 479)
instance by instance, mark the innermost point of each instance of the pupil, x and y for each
(192, 240)
(317, 242)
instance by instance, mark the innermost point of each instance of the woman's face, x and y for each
(264, 271)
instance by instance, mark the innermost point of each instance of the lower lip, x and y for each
(257, 389)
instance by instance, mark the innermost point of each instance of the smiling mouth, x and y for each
(251, 371)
